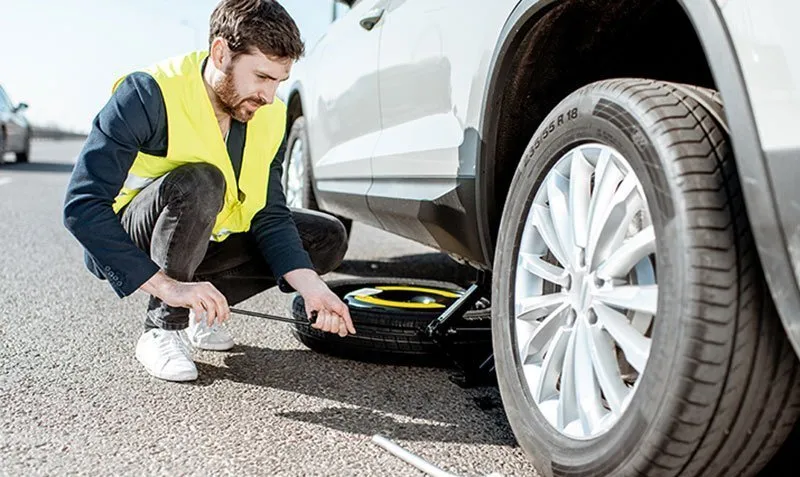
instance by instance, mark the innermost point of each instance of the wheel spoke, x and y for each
(552, 273)
(641, 322)
(534, 307)
(632, 250)
(557, 195)
(543, 334)
(552, 365)
(606, 368)
(544, 224)
(614, 225)
(579, 195)
(607, 178)
(635, 346)
(590, 407)
(631, 297)
(567, 404)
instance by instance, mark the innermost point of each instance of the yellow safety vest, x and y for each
(193, 136)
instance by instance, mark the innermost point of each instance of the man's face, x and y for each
(249, 82)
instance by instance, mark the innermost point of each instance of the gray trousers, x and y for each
(172, 220)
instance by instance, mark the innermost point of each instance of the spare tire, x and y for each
(389, 315)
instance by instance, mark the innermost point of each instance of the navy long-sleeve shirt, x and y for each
(134, 120)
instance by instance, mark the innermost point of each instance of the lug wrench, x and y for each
(294, 321)
(313, 320)
(275, 318)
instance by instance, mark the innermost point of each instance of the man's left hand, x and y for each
(333, 316)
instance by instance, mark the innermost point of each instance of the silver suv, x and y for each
(626, 173)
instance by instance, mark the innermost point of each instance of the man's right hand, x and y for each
(201, 297)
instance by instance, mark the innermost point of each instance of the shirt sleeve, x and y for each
(275, 230)
(133, 120)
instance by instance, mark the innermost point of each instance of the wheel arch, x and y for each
(517, 99)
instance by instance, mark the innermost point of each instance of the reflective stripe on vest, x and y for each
(193, 136)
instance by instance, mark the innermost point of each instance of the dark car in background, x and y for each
(15, 130)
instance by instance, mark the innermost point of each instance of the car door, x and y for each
(343, 119)
(432, 70)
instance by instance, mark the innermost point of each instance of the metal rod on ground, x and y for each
(412, 459)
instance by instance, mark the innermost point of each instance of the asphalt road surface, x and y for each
(75, 400)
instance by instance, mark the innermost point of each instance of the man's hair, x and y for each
(261, 24)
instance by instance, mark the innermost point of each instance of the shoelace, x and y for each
(171, 345)
(187, 343)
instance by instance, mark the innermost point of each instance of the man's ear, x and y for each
(220, 54)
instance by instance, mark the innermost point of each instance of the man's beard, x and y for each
(231, 103)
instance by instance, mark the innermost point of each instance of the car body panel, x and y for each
(346, 110)
(432, 78)
(761, 89)
(760, 31)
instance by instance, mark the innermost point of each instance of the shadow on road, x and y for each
(430, 266)
(38, 167)
(382, 398)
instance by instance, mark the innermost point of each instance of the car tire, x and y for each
(25, 155)
(298, 176)
(3, 142)
(718, 390)
(392, 335)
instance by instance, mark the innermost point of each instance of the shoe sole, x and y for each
(214, 347)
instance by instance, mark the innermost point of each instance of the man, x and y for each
(177, 191)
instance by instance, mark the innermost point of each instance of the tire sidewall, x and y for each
(558, 133)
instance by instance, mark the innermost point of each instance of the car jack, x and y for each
(475, 363)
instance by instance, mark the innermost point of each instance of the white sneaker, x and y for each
(165, 355)
(213, 338)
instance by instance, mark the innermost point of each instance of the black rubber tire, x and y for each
(720, 391)
(3, 143)
(299, 132)
(24, 156)
(402, 344)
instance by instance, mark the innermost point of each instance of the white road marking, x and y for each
(5, 180)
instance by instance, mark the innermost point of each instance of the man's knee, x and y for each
(202, 186)
(331, 246)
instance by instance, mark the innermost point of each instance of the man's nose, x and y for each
(267, 96)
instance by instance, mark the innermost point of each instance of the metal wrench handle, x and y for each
(275, 318)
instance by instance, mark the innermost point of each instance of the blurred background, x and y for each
(61, 58)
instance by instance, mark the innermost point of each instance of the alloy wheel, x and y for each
(586, 291)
